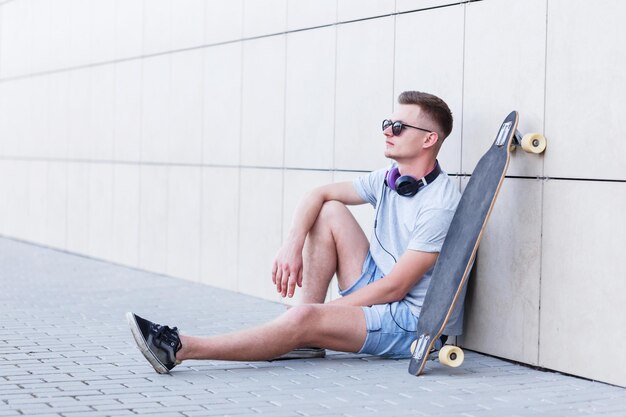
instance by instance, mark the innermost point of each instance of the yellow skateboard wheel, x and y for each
(413, 346)
(451, 356)
(534, 143)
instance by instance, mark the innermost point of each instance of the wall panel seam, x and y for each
(543, 171)
(280, 168)
(462, 90)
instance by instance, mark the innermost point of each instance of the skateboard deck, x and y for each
(461, 244)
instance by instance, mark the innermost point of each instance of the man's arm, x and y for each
(410, 268)
(287, 267)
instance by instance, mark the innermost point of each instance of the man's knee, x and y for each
(331, 213)
(333, 208)
(302, 319)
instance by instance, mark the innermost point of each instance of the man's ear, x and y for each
(431, 140)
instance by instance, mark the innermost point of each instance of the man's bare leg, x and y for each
(341, 328)
(335, 244)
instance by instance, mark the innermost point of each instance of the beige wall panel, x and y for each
(310, 13)
(263, 108)
(78, 210)
(102, 114)
(586, 89)
(222, 104)
(183, 231)
(310, 99)
(128, 33)
(20, 209)
(582, 285)
(42, 46)
(79, 114)
(504, 71)
(36, 143)
(297, 185)
(126, 214)
(187, 23)
(35, 212)
(219, 254)
(263, 17)
(24, 113)
(364, 92)
(6, 178)
(55, 216)
(14, 39)
(103, 18)
(185, 144)
(100, 211)
(223, 20)
(16, 186)
(359, 9)
(23, 117)
(18, 119)
(502, 302)
(5, 106)
(260, 231)
(153, 205)
(157, 26)
(80, 33)
(411, 73)
(155, 107)
(12, 107)
(57, 123)
(57, 33)
(127, 119)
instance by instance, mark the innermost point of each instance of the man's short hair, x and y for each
(434, 107)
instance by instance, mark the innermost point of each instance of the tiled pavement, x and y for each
(65, 350)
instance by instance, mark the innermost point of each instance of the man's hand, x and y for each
(287, 269)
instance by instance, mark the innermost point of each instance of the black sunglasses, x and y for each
(397, 126)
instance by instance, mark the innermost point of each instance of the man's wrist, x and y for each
(296, 239)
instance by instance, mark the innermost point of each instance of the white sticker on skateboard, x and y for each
(422, 345)
(503, 134)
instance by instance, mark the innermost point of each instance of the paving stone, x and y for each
(77, 358)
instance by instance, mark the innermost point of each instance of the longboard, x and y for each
(461, 244)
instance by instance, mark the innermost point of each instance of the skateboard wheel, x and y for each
(451, 356)
(534, 143)
(413, 346)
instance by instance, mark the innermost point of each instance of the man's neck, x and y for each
(417, 168)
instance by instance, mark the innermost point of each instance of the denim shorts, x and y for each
(390, 327)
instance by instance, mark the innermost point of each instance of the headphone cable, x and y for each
(380, 203)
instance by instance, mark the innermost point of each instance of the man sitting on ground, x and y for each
(382, 283)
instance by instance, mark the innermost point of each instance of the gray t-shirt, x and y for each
(410, 223)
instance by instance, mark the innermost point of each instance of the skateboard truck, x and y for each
(448, 355)
(530, 142)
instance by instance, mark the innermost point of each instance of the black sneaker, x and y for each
(157, 343)
(302, 353)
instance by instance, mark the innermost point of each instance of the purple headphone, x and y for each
(406, 185)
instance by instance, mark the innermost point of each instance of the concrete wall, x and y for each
(177, 136)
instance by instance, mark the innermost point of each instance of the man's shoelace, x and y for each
(163, 334)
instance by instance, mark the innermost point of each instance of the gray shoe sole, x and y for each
(302, 353)
(143, 348)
